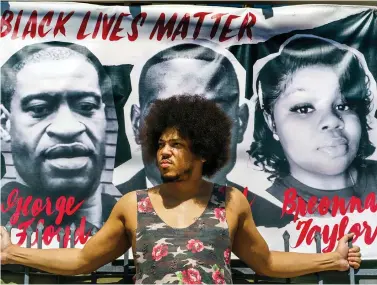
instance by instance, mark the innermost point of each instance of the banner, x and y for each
(298, 82)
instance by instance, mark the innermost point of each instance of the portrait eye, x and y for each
(39, 110)
(87, 106)
(343, 107)
(302, 109)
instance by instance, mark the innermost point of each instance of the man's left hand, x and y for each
(348, 256)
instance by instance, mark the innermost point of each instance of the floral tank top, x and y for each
(198, 254)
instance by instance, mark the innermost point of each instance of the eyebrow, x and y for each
(171, 140)
(294, 90)
(50, 96)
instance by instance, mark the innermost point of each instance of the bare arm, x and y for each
(110, 242)
(250, 247)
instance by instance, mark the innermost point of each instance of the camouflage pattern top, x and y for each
(197, 254)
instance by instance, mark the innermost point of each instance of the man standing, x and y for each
(53, 115)
(183, 231)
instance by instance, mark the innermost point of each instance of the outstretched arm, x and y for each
(250, 247)
(111, 241)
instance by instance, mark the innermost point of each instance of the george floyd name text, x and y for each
(117, 26)
(30, 208)
(298, 207)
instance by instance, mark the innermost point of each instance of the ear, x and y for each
(243, 120)
(5, 124)
(135, 121)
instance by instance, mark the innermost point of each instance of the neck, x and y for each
(324, 181)
(184, 190)
(92, 209)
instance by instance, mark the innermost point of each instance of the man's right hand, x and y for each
(5, 245)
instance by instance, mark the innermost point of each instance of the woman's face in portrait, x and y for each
(318, 131)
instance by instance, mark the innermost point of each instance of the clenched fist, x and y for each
(348, 256)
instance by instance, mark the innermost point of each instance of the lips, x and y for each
(67, 158)
(335, 147)
(165, 163)
(67, 151)
(336, 142)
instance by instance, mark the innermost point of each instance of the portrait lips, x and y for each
(68, 157)
(165, 163)
(335, 147)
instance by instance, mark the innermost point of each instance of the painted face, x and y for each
(318, 131)
(58, 126)
(175, 160)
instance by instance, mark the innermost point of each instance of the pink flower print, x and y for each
(159, 251)
(195, 245)
(222, 189)
(145, 205)
(227, 256)
(220, 214)
(218, 277)
(191, 276)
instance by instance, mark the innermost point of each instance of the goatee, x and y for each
(176, 178)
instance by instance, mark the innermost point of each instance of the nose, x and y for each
(331, 121)
(166, 151)
(65, 125)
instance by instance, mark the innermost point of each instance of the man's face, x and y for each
(199, 77)
(58, 126)
(175, 160)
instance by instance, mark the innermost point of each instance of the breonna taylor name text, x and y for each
(298, 207)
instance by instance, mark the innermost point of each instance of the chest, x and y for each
(181, 216)
(213, 223)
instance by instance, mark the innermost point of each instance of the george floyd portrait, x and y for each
(55, 106)
(312, 120)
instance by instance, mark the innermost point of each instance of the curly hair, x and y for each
(273, 79)
(197, 119)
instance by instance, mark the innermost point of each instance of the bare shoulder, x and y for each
(126, 206)
(128, 200)
(235, 199)
(236, 209)
(154, 190)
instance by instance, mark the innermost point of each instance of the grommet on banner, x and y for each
(4, 6)
(135, 10)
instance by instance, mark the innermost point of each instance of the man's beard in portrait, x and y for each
(177, 178)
